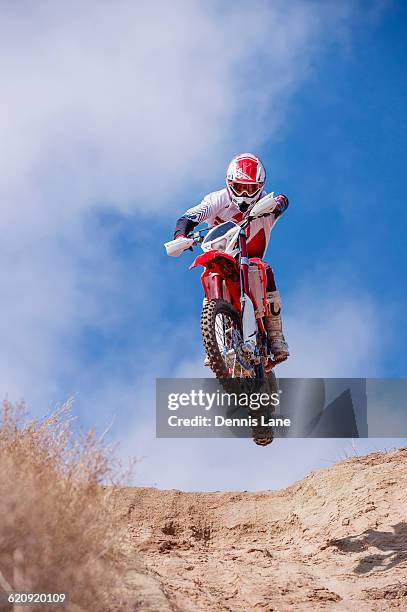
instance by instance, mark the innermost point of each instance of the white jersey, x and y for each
(217, 207)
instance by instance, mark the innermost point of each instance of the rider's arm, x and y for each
(194, 216)
(184, 226)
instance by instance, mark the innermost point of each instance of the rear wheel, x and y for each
(263, 432)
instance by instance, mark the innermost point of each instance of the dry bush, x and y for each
(57, 529)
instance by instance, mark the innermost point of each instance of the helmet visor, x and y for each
(248, 189)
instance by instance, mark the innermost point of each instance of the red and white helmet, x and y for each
(245, 179)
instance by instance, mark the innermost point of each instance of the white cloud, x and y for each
(116, 102)
(334, 335)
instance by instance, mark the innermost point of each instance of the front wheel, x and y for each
(221, 334)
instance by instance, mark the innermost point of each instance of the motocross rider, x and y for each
(245, 180)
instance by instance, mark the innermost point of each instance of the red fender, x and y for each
(218, 262)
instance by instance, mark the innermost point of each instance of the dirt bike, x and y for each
(234, 307)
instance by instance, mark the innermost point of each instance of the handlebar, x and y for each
(198, 236)
(266, 204)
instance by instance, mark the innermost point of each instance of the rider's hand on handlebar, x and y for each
(281, 202)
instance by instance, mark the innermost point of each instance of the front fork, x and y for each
(217, 287)
(250, 325)
(243, 264)
(249, 322)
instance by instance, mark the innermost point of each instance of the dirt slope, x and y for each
(335, 540)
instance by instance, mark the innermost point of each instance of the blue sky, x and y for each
(343, 157)
(110, 137)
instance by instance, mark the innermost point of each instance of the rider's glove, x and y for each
(282, 203)
(184, 226)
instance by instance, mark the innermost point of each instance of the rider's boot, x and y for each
(274, 327)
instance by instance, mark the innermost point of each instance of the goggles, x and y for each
(240, 189)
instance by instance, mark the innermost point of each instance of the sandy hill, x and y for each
(335, 540)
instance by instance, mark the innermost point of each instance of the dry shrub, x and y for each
(57, 529)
